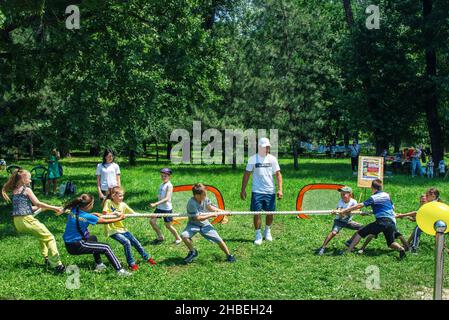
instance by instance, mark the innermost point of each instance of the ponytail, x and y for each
(80, 202)
(13, 182)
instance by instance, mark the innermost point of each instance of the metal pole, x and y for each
(440, 228)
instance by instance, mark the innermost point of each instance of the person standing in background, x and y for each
(354, 151)
(54, 171)
(108, 174)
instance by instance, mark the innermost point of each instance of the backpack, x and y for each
(67, 188)
(70, 188)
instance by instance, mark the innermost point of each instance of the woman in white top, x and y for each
(164, 205)
(108, 174)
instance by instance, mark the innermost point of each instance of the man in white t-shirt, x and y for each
(263, 192)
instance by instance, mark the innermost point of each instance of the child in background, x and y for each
(430, 165)
(23, 200)
(441, 168)
(114, 205)
(164, 205)
(416, 234)
(199, 222)
(77, 239)
(342, 221)
(53, 171)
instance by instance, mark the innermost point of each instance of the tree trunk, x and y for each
(430, 90)
(348, 12)
(295, 154)
(132, 157)
(157, 153)
(31, 147)
(168, 150)
(144, 147)
(94, 151)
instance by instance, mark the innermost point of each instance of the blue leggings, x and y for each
(128, 241)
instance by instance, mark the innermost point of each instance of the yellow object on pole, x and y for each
(430, 213)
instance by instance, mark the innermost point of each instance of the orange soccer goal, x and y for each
(317, 196)
(182, 194)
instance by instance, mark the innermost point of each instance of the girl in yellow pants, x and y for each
(23, 199)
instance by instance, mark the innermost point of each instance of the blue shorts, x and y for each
(263, 202)
(166, 219)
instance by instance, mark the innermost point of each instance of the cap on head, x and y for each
(166, 171)
(264, 142)
(345, 189)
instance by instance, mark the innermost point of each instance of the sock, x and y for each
(267, 228)
(258, 232)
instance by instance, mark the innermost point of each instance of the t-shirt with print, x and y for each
(194, 209)
(382, 205)
(343, 205)
(263, 169)
(108, 175)
(111, 207)
(162, 193)
(72, 234)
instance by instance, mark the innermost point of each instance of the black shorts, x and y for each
(384, 225)
(166, 219)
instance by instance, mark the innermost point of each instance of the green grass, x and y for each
(284, 269)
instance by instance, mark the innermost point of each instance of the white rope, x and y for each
(230, 213)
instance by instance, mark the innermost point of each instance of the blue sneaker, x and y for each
(191, 256)
(230, 258)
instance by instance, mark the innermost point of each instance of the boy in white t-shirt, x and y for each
(263, 192)
(342, 221)
(164, 205)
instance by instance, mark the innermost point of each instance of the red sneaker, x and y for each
(151, 261)
(134, 267)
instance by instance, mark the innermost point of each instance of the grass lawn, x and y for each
(284, 269)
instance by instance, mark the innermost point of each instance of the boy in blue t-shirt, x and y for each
(383, 210)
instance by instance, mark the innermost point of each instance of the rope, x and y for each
(229, 213)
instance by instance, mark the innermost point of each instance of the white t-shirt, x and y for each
(263, 169)
(343, 205)
(108, 175)
(162, 193)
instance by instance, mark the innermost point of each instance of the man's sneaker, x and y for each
(267, 235)
(258, 240)
(151, 261)
(155, 242)
(191, 256)
(60, 269)
(123, 273)
(134, 267)
(177, 241)
(413, 250)
(319, 251)
(402, 254)
(230, 258)
(361, 251)
(348, 243)
(100, 267)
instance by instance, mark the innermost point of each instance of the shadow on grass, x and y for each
(171, 262)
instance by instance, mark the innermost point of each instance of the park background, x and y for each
(136, 70)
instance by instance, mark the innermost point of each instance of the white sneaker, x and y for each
(123, 273)
(258, 240)
(177, 241)
(100, 267)
(267, 235)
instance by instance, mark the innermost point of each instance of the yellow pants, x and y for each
(30, 225)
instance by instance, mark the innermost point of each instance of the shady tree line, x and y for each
(125, 74)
